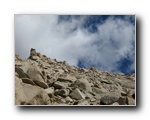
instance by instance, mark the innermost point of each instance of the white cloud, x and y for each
(116, 37)
(68, 40)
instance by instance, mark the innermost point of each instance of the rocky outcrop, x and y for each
(40, 80)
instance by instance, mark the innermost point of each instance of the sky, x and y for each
(106, 42)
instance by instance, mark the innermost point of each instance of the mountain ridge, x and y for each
(40, 80)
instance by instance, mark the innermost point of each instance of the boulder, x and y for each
(59, 71)
(126, 83)
(18, 63)
(93, 100)
(130, 101)
(41, 99)
(41, 84)
(115, 104)
(20, 72)
(88, 95)
(35, 58)
(16, 56)
(49, 91)
(108, 99)
(68, 99)
(26, 94)
(83, 85)
(33, 72)
(112, 88)
(68, 78)
(16, 74)
(20, 97)
(131, 93)
(105, 81)
(50, 82)
(35, 95)
(46, 65)
(98, 96)
(63, 100)
(49, 76)
(83, 102)
(77, 94)
(62, 92)
(28, 81)
(123, 93)
(99, 90)
(32, 52)
(60, 85)
(122, 100)
(51, 61)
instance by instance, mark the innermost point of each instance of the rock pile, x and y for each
(40, 80)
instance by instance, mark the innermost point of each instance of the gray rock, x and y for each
(49, 91)
(59, 71)
(60, 85)
(131, 93)
(28, 81)
(32, 52)
(33, 72)
(83, 85)
(94, 69)
(77, 94)
(63, 100)
(34, 58)
(112, 88)
(89, 95)
(16, 74)
(65, 70)
(108, 99)
(105, 81)
(35, 95)
(20, 97)
(41, 84)
(68, 78)
(40, 99)
(62, 92)
(123, 93)
(98, 96)
(50, 82)
(93, 100)
(122, 100)
(48, 76)
(98, 90)
(46, 65)
(130, 101)
(20, 72)
(18, 63)
(68, 99)
(126, 83)
(115, 104)
(83, 102)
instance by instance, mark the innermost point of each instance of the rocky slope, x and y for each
(40, 80)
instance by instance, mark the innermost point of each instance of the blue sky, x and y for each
(104, 41)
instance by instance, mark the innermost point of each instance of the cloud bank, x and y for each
(85, 41)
